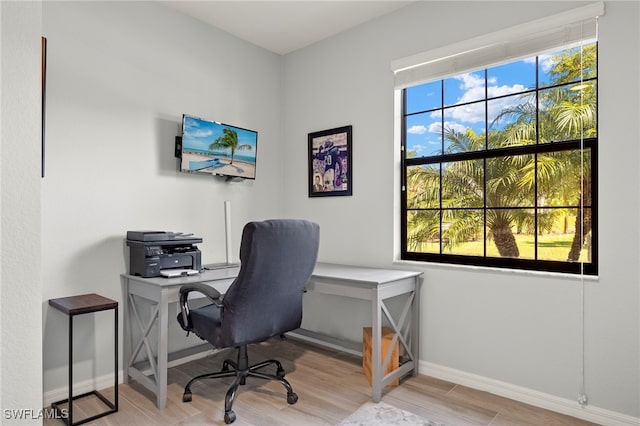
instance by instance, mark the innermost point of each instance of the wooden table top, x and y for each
(83, 303)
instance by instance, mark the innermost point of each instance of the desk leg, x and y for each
(376, 345)
(127, 325)
(415, 327)
(163, 336)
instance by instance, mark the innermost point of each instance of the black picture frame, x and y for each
(330, 162)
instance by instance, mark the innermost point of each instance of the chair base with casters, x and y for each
(241, 370)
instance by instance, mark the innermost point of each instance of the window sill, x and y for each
(488, 269)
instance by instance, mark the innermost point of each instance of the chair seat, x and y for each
(205, 322)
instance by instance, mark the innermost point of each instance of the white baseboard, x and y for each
(107, 380)
(529, 396)
(79, 388)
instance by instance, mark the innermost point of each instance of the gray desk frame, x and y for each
(374, 285)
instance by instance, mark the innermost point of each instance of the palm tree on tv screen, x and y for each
(229, 140)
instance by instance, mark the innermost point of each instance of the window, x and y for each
(499, 165)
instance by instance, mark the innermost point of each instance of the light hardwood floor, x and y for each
(330, 385)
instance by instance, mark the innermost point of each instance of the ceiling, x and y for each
(285, 26)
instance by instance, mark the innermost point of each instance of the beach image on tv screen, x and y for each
(215, 148)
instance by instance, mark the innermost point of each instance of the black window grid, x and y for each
(587, 144)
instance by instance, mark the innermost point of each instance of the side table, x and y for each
(78, 305)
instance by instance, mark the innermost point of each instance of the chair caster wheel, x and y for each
(186, 396)
(292, 398)
(229, 417)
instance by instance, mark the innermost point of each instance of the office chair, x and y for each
(277, 258)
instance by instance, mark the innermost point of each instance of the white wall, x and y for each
(20, 205)
(120, 76)
(513, 328)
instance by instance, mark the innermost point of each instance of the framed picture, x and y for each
(330, 162)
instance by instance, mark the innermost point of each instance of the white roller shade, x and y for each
(502, 46)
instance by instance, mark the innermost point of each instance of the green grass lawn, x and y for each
(550, 247)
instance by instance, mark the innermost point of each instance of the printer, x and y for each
(153, 251)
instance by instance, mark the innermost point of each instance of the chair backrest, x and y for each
(277, 258)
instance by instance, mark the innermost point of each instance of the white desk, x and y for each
(375, 285)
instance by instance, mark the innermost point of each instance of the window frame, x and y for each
(590, 144)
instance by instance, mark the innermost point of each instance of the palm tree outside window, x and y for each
(499, 165)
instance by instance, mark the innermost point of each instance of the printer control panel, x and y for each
(153, 250)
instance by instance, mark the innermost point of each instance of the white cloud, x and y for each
(435, 128)
(418, 148)
(201, 133)
(545, 59)
(472, 113)
(470, 81)
(472, 86)
(455, 126)
(547, 62)
(473, 90)
(505, 90)
(417, 130)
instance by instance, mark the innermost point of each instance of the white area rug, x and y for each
(371, 414)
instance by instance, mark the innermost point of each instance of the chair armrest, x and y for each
(210, 292)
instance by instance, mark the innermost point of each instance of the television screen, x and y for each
(214, 148)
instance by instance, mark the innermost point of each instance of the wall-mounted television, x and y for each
(209, 147)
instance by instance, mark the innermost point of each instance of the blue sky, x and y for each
(424, 129)
(199, 134)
